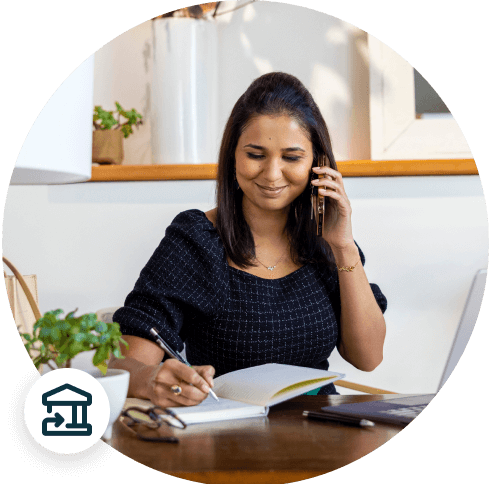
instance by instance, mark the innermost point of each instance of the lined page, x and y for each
(211, 410)
(258, 385)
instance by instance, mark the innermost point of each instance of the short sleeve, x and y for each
(183, 279)
(379, 296)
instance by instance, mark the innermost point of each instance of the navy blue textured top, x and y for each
(229, 318)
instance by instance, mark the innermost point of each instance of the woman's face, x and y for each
(273, 162)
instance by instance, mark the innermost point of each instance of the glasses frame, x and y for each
(155, 414)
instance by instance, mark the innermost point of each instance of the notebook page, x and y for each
(211, 410)
(208, 405)
(258, 385)
(300, 385)
(208, 410)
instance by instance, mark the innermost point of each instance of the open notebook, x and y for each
(248, 393)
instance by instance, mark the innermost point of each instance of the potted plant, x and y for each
(107, 146)
(56, 341)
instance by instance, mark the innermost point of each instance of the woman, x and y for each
(250, 282)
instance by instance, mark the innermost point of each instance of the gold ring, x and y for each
(177, 390)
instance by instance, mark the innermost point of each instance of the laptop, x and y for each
(402, 409)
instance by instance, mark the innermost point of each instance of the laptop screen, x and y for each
(466, 324)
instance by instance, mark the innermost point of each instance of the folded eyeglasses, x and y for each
(152, 419)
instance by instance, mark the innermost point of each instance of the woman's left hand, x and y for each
(337, 229)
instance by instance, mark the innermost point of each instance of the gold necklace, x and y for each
(271, 268)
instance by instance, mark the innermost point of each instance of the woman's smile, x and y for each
(271, 191)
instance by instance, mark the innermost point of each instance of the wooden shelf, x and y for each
(172, 172)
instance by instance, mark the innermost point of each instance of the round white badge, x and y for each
(67, 411)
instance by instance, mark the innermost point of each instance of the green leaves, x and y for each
(60, 340)
(103, 120)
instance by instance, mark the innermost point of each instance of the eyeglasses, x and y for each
(152, 419)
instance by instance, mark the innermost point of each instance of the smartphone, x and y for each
(317, 201)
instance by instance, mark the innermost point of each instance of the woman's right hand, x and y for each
(194, 381)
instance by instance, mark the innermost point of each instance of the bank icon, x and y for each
(66, 410)
(70, 418)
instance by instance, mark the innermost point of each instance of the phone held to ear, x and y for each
(317, 201)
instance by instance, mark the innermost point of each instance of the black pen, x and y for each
(364, 423)
(174, 354)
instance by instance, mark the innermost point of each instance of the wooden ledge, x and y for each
(172, 172)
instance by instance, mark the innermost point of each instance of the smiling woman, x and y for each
(274, 157)
(273, 138)
(273, 162)
(250, 282)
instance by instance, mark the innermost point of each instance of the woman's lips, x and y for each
(270, 191)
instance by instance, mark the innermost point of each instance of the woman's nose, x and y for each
(273, 169)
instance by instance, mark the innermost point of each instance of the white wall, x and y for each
(326, 54)
(424, 237)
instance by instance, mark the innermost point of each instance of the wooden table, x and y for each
(284, 447)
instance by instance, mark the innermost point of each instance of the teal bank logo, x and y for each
(67, 395)
(67, 411)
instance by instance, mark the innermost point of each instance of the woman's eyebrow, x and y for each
(288, 149)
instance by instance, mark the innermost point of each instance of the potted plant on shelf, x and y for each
(107, 145)
(56, 341)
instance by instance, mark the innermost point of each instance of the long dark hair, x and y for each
(271, 94)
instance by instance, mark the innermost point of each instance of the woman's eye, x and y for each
(261, 156)
(254, 156)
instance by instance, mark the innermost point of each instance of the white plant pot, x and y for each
(116, 385)
(184, 91)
